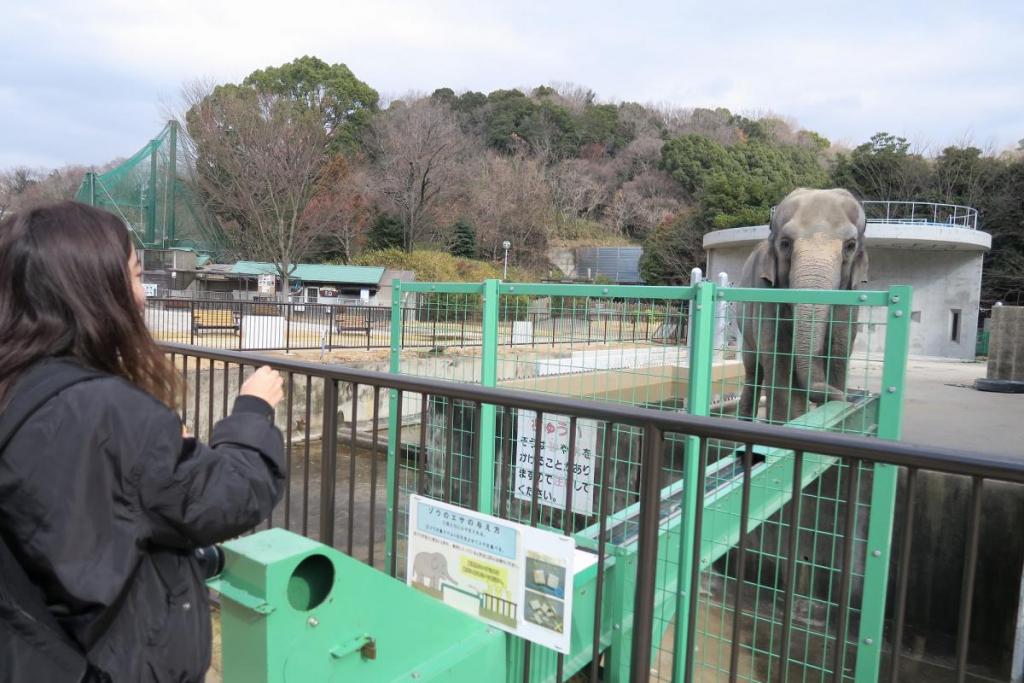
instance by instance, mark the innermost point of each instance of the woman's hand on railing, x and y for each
(266, 384)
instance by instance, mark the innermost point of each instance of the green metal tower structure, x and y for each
(151, 194)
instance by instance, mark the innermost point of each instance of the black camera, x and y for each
(211, 560)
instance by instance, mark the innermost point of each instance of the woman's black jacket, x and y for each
(99, 494)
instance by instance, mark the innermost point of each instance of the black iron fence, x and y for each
(334, 420)
(278, 326)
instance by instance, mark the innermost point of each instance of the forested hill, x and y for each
(309, 149)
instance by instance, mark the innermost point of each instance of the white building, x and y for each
(935, 248)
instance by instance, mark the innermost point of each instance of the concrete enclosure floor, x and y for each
(942, 408)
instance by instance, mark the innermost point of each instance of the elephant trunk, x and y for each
(817, 264)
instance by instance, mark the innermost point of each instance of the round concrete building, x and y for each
(935, 248)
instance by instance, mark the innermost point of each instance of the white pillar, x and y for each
(696, 275)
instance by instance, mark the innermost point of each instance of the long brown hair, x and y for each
(65, 290)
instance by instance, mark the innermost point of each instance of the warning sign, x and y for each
(553, 474)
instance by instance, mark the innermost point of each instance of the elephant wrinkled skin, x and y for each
(798, 353)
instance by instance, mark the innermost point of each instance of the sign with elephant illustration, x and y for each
(553, 473)
(512, 576)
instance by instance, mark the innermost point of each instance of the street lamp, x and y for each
(506, 244)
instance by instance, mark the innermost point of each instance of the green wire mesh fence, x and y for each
(809, 359)
(149, 192)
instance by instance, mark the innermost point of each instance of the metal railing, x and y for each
(249, 295)
(275, 326)
(919, 213)
(922, 213)
(354, 503)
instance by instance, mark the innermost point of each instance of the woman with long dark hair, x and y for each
(103, 501)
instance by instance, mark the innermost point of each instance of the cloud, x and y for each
(84, 82)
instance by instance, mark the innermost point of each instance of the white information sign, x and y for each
(522, 332)
(263, 332)
(554, 463)
(151, 289)
(266, 284)
(512, 576)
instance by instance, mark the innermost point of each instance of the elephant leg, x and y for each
(750, 396)
(786, 405)
(761, 331)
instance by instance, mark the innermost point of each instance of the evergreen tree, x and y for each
(385, 233)
(463, 239)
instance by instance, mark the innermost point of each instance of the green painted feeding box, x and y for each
(294, 610)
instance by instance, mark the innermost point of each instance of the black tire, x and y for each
(1002, 386)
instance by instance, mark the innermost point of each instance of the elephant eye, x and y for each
(851, 246)
(785, 244)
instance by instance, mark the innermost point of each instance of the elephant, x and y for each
(430, 569)
(799, 353)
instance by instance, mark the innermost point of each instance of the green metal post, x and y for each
(884, 482)
(394, 419)
(698, 402)
(172, 185)
(621, 588)
(488, 378)
(151, 206)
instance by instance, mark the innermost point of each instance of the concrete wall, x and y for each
(942, 281)
(1006, 347)
(564, 260)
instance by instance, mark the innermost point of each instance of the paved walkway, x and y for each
(942, 408)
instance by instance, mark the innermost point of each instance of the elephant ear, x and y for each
(765, 267)
(859, 272)
(764, 263)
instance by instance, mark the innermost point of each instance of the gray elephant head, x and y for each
(816, 242)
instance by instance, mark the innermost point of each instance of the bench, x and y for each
(177, 303)
(353, 320)
(205, 319)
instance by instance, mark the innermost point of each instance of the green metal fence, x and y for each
(677, 349)
(981, 345)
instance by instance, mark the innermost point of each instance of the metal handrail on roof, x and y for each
(880, 211)
(921, 213)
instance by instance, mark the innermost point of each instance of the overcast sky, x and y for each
(85, 82)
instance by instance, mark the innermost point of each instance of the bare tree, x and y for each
(22, 186)
(260, 164)
(580, 187)
(640, 156)
(511, 200)
(15, 184)
(573, 96)
(416, 149)
(643, 203)
(346, 198)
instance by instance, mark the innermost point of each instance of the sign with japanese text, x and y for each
(554, 461)
(512, 576)
(266, 284)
